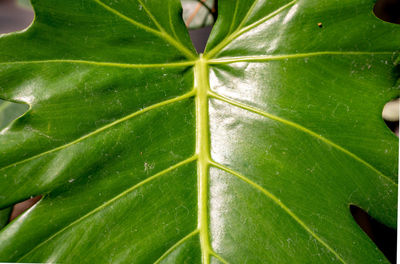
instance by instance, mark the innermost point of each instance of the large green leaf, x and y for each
(258, 163)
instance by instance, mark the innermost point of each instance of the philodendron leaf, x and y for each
(146, 152)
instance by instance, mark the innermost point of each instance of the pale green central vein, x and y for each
(280, 204)
(106, 64)
(116, 122)
(107, 203)
(162, 34)
(304, 129)
(203, 152)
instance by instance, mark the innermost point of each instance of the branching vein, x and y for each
(162, 34)
(137, 113)
(106, 64)
(248, 14)
(234, 17)
(176, 245)
(280, 204)
(304, 129)
(219, 257)
(107, 203)
(241, 31)
(264, 58)
(160, 28)
(130, 20)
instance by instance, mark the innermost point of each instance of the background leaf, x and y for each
(25, 3)
(196, 15)
(10, 111)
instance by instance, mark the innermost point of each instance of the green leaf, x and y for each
(250, 153)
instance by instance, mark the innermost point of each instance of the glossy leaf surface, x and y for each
(146, 152)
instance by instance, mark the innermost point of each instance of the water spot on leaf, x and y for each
(148, 167)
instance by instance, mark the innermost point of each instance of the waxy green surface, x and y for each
(146, 152)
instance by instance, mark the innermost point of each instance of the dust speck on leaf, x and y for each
(148, 167)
